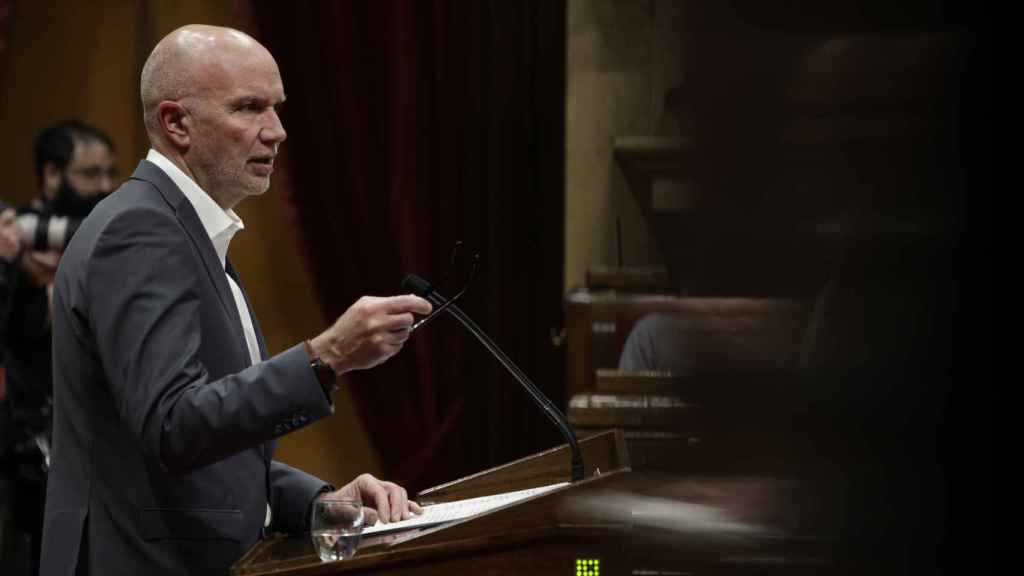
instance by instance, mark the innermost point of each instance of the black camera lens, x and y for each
(46, 232)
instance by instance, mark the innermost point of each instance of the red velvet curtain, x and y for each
(413, 125)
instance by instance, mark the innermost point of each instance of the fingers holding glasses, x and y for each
(369, 332)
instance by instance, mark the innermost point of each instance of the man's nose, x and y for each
(273, 132)
(106, 184)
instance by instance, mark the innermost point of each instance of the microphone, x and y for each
(422, 288)
(419, 286)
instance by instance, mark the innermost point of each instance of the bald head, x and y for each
(192, 61)
(210, 97)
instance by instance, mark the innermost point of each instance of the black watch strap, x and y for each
(325, 375)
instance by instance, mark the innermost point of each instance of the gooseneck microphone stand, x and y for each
(422, 288)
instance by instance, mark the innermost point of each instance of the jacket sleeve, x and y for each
(143, 306)
(292, 494)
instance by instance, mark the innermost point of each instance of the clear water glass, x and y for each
(336, 526)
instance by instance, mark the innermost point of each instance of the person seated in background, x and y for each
(657, 343)
(686, 344)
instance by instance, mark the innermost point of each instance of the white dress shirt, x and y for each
(220, 225)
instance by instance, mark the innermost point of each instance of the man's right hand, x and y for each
(369, 332)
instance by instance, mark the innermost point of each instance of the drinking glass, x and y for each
(336, 526)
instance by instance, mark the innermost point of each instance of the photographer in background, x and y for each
(74, 165)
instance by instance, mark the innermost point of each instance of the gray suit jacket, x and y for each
(163, 433)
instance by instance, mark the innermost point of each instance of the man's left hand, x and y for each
(385, 500)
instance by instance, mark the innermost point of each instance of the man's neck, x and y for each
(178, 160)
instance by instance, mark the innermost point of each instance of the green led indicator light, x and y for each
(588, 567)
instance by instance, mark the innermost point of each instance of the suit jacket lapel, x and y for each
(189, 219)
(149, 172)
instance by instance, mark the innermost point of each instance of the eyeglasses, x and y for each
(475, 267)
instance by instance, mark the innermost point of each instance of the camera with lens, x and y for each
(46, 231)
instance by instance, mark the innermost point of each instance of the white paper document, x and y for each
(460, 509)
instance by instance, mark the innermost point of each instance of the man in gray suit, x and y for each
(166, 402)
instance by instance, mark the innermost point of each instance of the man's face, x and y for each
(91, 171)
(236, 131)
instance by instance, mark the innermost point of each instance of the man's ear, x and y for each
(51, 181)
(175, 122)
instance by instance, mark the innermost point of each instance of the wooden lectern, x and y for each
(589, 528)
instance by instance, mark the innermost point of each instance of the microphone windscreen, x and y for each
(416, 285)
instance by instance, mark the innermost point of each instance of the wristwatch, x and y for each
(325, 375)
